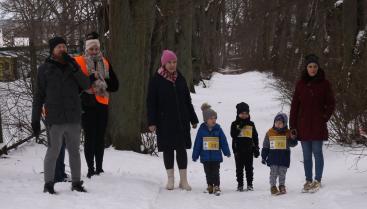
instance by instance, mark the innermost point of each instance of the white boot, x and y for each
(183, 180)
(170, 179)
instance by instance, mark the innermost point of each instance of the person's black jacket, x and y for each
(240, 142)
(58, 88)
(170, 109)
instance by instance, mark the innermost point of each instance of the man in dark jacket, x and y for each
(59, 82)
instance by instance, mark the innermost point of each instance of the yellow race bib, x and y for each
(278, 142)
(211, 143)
(246, 132)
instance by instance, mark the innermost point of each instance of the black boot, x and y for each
(49, 187)
(91, 173)
(77, 186)
(99, 171)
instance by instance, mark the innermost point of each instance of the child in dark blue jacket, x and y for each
(209, 144)
(276, 152)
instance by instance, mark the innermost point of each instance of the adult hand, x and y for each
(67, 58)
(36, 128)
(263, 161)
(152, 128)
(194, 125)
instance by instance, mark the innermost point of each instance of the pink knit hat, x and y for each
(167, 56)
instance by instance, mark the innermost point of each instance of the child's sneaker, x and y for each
(315, 186)
(282, 189)
(307, 186)
(274, 190)
(250, 188)
(216, 191)
(210, 189)
(240, 188)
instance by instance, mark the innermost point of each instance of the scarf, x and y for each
(96, 66)
(167, 75)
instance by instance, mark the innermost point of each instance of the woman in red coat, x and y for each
(312, 106)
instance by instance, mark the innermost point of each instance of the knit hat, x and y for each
(207, 112)
(242, 107)
(311, 58)
(167, 56)
(92, 35)
(53, 42)
(282, 117)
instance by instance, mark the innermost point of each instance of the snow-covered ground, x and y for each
(137, 181)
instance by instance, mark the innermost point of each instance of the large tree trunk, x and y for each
(131, 28)
(184, 38)
(1, 129)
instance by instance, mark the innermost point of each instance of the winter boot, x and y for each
(210, 189)
(240, 188)
(77, 186)
(99, 171)
(216, 191)
(183, 180)
(274, 190)
(170, 179)
(90, 173)
(315, 186)
(250, 188)
(282, 189)
(49, 187)
(307, 187)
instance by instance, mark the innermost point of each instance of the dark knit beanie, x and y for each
(92, 35)
(53, 42)
(242, 107)
(311, 58)
(208, 112)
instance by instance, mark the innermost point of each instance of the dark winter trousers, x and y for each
(169, 158)
(244, 160)
(212, 173)
(94, 122)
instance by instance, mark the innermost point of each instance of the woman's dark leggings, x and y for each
(169, 158)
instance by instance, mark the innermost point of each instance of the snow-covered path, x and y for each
(137, 181)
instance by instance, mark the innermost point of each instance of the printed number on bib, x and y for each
(211, 143)
(246, 132)
(278, 142)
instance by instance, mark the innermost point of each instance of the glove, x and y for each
(256, 152)
(67, 58)
(263, 161)
(36, 128)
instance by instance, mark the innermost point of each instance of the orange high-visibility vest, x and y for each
(83, 65)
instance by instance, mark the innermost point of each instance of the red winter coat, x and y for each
(312, 105)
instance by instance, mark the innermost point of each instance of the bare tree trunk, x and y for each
(184, 43)
(131, 26)
(1, 129)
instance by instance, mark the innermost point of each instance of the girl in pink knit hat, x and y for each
(170, 112)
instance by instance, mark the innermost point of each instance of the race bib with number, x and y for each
(211, 143)
(278, 142)
(246, 132)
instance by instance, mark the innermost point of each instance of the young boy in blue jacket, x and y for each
(209, 144)
(276, 152)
